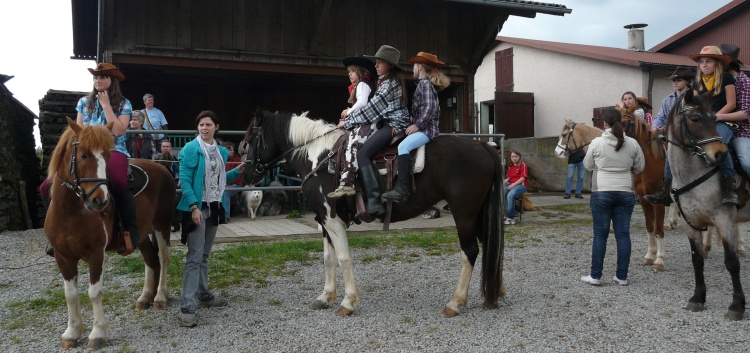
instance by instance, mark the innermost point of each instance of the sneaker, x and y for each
(215, 302)
(579, 196)
(567, 196)
(591, 280)
(622, 282)
(341, 191)
(510, 221)
(188, 320)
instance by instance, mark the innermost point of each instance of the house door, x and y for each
(514, 114)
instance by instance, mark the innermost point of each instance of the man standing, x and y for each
(575, 161)
(681, 79)
(155, 119)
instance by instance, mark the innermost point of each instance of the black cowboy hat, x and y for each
(360, 60)
(683, 73)
(733, 52)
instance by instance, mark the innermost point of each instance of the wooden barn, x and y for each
(231, 56)
(19, 165)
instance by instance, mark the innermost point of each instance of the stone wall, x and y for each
(549, 171)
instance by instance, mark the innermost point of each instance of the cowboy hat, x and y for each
(683, 73)
(360, 60)
(388, 54)
(426, 58)
(107, 69)
(711, 51)
(733, 52)
(643, 102)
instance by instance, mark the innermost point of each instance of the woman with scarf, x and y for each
(203, 180)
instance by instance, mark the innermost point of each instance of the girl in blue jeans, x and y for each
(613, 157)
(516, 183)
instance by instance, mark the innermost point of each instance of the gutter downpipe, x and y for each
(651, 85)
(100, 32)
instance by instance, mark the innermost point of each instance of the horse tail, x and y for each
(492, 237)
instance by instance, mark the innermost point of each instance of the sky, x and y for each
(36, 40)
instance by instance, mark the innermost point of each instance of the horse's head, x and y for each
(262, 147)
(86, 150)
(629, 120)
(570, 139)
(692, 126)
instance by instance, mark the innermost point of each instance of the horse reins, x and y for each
(76, 186)
(565, 148)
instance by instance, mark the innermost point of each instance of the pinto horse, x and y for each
(694, 157)
(80, 220)
(464, 172)
(648, 182)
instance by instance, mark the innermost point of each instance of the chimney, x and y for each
(635, 36)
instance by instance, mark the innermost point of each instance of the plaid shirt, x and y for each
(742, 90)
(426, 109)
(386, 105)
(666, 106)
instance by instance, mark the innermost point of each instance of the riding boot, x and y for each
(402, 190)
(372, 189)
(125, 203)
(661, 196)
(728, 195)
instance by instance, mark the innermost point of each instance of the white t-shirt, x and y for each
(363, 94)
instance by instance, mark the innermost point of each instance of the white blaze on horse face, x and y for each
(101, 171)
(559, 151)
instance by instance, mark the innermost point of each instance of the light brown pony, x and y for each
(575, 136)
(648, 182)
(80, 219)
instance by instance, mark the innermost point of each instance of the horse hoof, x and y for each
(658, 267)
(448, 313)
(95, 344)
(68, 344)
(318, 305)
(741, 253)
(141, 306)
(490, 306)
(695, 307)
(160, 304)
(344, 312)
(734, 315)
(648, 262)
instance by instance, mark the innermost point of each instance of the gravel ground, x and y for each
(547, 308)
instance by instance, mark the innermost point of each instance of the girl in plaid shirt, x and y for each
(426, 118)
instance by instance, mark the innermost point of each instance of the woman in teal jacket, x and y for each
(202, 179)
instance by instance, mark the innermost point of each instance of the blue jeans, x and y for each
(571, 172)
(195, 275)
(412, 142)
(726, 168)
(667, 169)
(226, 201)
(741, 146)
(510, 199)
(615, 207)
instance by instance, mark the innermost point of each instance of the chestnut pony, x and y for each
(80, 218)
(465, 173)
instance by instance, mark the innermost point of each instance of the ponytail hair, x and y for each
(437, 78)
(613, 118)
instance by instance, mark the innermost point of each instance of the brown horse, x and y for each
(577, 135)
(463, 172)
(79, 224)
(648, 182)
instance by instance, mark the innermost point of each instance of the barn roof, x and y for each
(709, 21)
(615, 55)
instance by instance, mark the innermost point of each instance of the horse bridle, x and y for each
(565, 148)
(76, 186)
(258, 167)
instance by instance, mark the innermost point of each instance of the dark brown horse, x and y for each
(79, 224)
(648, 182)
(465, 173)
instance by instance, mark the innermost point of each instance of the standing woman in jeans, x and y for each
(203, 179)
(612, 158)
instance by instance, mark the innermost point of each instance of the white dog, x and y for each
(252, 201)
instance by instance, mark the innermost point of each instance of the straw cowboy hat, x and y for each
(426, 58)
(388, 54)
(683, 73)
(643, 102)
(711, 51)
(733, 52)
(360, 60)
(108, 69)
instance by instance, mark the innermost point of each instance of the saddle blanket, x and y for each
(418, 163)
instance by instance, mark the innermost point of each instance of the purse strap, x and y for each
(148, 121)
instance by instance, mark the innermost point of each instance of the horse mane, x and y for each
(305, 132)
(90, 137)
(641, 128)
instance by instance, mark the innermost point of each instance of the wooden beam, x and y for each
(324, 20)
(485, 43)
